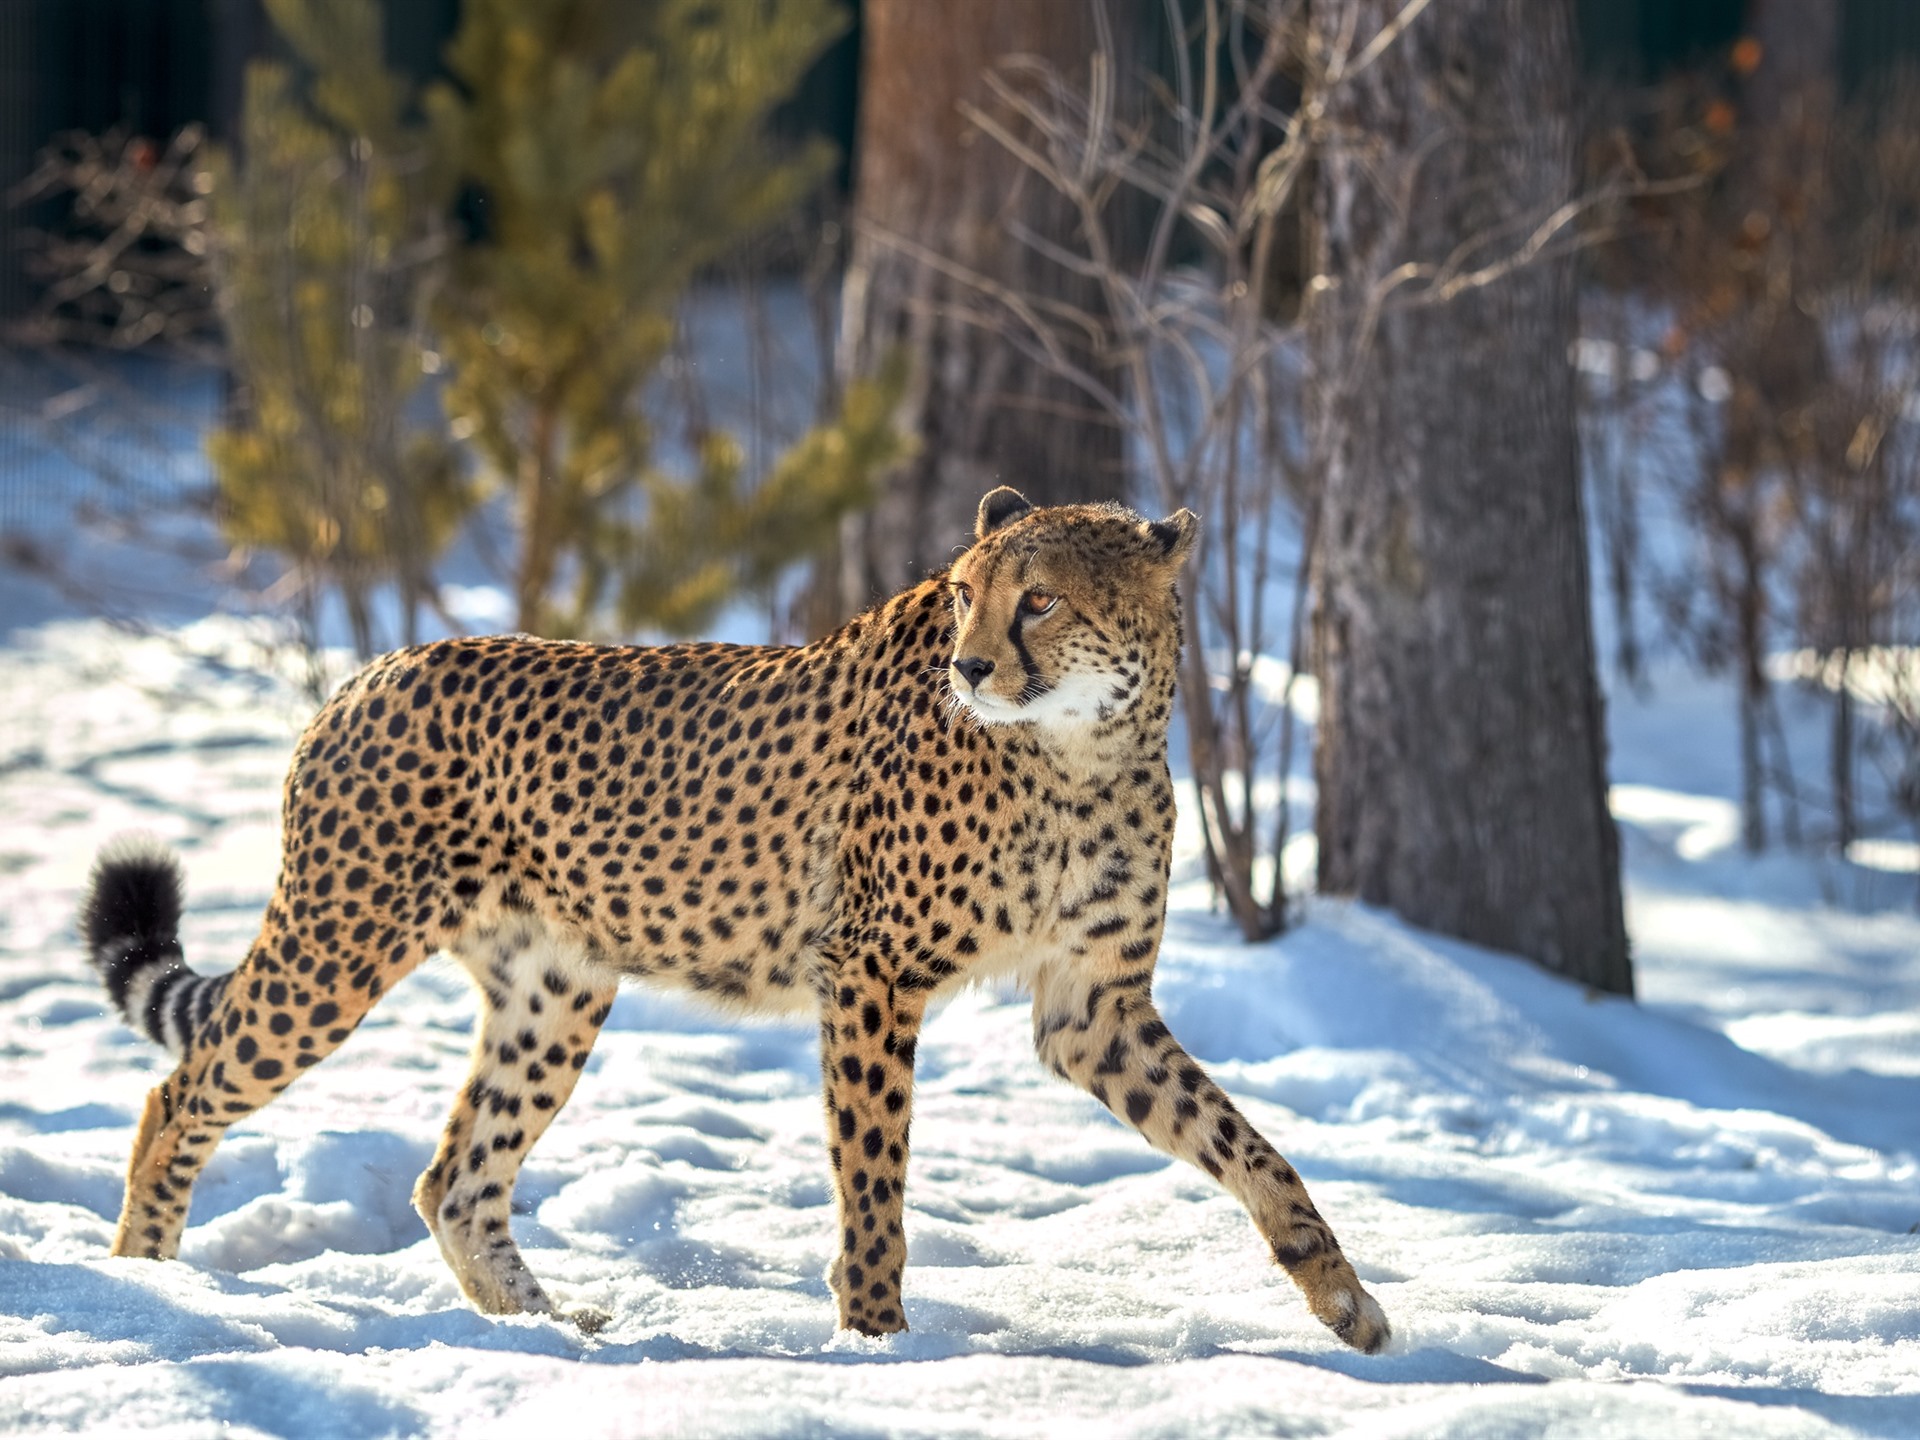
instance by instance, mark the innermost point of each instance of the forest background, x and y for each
(1532, 366)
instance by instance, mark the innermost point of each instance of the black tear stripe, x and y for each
(1035, 685)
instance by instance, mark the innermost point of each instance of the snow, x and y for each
(1584, 1216)
(1696, 1214)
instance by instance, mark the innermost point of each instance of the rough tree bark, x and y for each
(933, 197)
(1461, 752)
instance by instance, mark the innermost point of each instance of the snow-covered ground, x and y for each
(1584, 1217)
(1695, 1214)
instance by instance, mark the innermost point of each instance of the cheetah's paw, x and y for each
(1356, 1317)
(591, 1319)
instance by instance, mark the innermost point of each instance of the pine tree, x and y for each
(324, 256)
(600, 154)
(609, 151)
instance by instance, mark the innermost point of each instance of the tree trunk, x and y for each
(1799, 54)
(1846, 826)
(1461, 750)
(1750, 655)
(934, 196)
(1778, 171)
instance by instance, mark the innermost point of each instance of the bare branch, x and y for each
(1380, 43)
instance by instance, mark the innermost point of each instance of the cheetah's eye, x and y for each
(1038, 602)
(963, 592)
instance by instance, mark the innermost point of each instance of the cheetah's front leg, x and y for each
(1112, 1042)
(868, 1031)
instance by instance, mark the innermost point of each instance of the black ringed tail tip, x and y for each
(130, 924)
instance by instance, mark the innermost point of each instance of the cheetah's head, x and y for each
(1065, 616)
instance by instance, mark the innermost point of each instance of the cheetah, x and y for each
(968, 781)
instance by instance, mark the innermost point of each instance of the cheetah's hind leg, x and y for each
(239, 1039)
(540, 1011)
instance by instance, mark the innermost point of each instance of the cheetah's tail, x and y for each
(130, 922)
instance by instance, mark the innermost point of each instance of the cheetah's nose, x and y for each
(974, 670)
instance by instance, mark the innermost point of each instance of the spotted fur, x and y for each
(969, 780)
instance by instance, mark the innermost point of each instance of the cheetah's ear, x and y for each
(1174, 536)
(999, 507)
